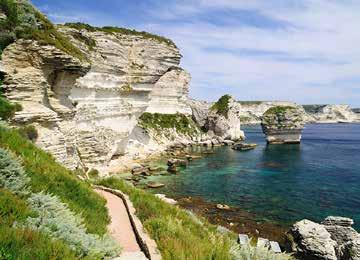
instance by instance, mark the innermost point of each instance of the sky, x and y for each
(306, 51)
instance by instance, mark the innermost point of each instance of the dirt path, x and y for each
(120, 227)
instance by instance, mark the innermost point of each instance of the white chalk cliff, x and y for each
(87, 111)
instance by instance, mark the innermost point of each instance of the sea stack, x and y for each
(283, 125)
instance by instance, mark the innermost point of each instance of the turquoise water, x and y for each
(281, 183)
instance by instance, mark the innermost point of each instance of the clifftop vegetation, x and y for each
(279, 110)
(24, 21)
(113, 29)
(222, 106)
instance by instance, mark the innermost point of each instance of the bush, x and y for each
(49, 176)
(248, 251)
(55, 219)
(29, 132)
(7, 109)
(93, 173)
(180, 122)
(222, 106)
(12, 175)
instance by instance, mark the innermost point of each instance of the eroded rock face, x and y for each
(86, 112)
(283, 124)
(333, 239)
(225, 124)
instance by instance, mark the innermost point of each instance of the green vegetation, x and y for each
(29, 132)
(248, 251)
(24, 243)
(7, 109)
(51, 216)
(177, 233)
(159, 122)
(313, 109)
(245, 119)
(49, 176)
(25, 22)
(279, 110)
(250, 102)
(111, 29)
(222, 106)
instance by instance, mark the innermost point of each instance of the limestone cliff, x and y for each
(87, 110)
(330, 114)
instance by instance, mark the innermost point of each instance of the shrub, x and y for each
(55, 219)
(7, 109)
(180, 122)
(93, 173)
(279, 110)
(49, 176)
(29, 132)
(222, 106)
(249, 251)
(12, 175)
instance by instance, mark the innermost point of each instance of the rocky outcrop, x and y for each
(87, 111)
(283, 125)
(330, 114)
(333, 239)
(252, 111)
(219, 119)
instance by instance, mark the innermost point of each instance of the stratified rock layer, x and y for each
(86, 112)
(283, 125)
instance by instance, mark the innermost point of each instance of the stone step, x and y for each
(243, 239)
(262, 242)
(275, 247)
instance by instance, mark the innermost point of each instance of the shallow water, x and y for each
(281, 183)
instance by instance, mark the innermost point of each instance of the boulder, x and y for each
(177, 162)
(155, 185)
(310, 240)
(243, 146)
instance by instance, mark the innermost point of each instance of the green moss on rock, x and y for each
(222, 106)
(180, 122)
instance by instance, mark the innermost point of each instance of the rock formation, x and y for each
(333, 239)
(221, 119)
(283, 125)
(252, 111)
(330, 114)
(87, 111)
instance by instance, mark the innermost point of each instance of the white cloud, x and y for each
(325, 33)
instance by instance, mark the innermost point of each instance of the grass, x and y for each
(250, 102)
(23, 243)
(49, 176)
(176, 232)
(180, 122)
(26, 244)
(278, 110)
(112, 29)
(7, 109)
(23, 23)
(222, 106)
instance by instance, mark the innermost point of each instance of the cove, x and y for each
(280, 183)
